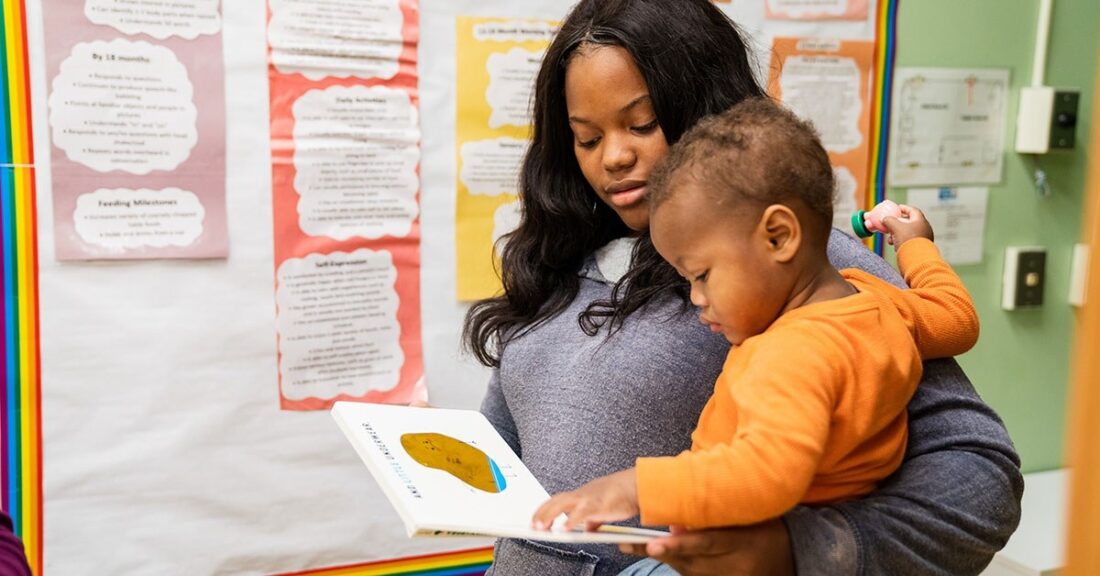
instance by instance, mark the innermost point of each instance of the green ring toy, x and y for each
(858, 226)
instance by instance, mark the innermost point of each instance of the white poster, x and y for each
(958, 217)
(948, 126)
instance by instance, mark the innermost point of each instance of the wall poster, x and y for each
(137, 126)
(499, 59)
(948, 126)
(816, 9)
(828, 82)
(345, 146)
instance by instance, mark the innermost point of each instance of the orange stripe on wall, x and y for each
(1083, 555)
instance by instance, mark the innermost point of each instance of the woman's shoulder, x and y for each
(847, 252)
(664, 319)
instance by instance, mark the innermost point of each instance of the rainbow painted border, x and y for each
(886, 29)
(462, 563)
(20, 413)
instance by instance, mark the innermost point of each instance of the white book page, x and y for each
(449, 471)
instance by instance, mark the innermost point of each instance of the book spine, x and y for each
(367, 455)
(429, 533)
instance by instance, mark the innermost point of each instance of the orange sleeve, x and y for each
(784, 402)
(937, 308)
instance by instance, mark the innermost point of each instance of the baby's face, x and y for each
(719, 252)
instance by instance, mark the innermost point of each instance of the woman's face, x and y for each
(617, 139)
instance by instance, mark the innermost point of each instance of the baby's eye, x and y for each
(702, 277)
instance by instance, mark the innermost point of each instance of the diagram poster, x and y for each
(345, 187)
(816, 9)
(137, 128)
(497, 60)
(948, 126)
(828, 82)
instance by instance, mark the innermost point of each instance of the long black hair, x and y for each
(694, 62)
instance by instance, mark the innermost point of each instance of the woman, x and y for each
(599, 358)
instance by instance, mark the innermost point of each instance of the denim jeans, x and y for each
(649, 567)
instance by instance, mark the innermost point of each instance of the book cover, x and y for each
(448, 472)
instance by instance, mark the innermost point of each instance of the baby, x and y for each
(810, 406)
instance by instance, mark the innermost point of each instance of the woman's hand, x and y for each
(608, 499)
(759, 549)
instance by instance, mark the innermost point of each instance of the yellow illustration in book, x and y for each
(463, 461)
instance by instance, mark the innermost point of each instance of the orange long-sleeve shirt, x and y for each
(813, 409)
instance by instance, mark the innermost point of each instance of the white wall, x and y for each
(164, 449)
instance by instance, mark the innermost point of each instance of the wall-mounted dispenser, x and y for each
(1047, 119)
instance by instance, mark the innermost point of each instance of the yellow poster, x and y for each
(497, 61)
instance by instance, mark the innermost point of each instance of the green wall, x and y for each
(1021, 363)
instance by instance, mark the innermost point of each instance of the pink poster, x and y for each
(816, 9)
(345, 178)
(137, 129)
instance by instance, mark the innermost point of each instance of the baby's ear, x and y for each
(782, 232)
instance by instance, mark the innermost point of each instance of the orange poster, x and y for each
(345, 145)
(828, 82)
(816, 9)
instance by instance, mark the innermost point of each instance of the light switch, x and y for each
(1078, 275)
(1024, 277)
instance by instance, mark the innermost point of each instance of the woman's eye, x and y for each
(649, 127)
(587, 144)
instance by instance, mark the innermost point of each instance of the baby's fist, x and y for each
(909, 224)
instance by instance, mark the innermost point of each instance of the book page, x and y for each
(448, 472)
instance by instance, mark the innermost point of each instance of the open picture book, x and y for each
(448, 472)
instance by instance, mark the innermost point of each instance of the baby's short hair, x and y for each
(755, 154)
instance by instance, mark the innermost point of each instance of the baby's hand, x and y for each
(608, 499)
(909, 224)
(872, 219)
